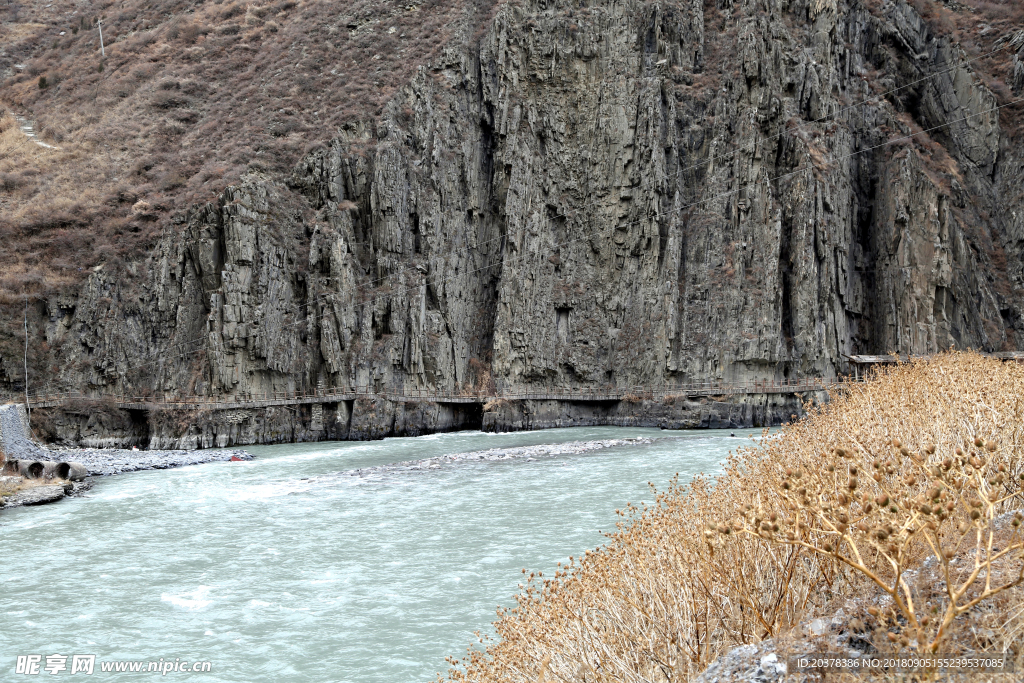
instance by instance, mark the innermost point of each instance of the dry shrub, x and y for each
(495, 404)
(842, 505)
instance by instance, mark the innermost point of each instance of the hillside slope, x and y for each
(615, 194)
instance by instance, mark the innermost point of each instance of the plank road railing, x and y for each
(335, 394)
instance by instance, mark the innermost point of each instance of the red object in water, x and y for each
(235, 458)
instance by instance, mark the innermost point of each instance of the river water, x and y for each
(279, 570)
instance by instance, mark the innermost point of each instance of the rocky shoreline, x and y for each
(105, 461)
(494, 454)
(33, 489)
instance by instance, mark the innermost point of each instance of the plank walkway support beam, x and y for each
(337, 394)
(578, 394)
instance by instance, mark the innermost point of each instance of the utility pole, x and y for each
(103, 51)
(28, 406)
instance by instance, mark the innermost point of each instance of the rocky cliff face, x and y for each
(620, 193)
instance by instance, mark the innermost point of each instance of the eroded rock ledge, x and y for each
(622, 194)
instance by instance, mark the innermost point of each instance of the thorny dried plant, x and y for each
(922, 461)
(880, 513)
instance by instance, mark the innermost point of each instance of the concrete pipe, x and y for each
(30, 469)
(11, 469)
(61, 470)
(76, 471)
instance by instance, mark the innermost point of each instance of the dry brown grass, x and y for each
(8, 489)
(189, 98)
(786, 534)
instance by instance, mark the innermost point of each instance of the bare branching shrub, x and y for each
(919, 468)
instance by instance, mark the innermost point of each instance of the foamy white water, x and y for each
(275, 571)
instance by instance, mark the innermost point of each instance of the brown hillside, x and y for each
(190, 96)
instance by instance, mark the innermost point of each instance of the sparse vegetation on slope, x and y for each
(874, 503)
(190, 97)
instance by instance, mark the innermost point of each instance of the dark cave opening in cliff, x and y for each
(466, 415)
(140, 427)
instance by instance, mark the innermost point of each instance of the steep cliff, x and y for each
(608, 193)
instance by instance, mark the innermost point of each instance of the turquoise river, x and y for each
(282, 570)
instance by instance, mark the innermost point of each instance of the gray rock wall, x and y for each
(618, 194)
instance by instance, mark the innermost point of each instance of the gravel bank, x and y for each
(17, 446)
(14, 442)
(119, 460)
(518, 452)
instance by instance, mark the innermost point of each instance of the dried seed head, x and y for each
(904, 450)
(852, 484)
(978, 442)
(873, 611)
(991, 445)
(897, 443)
(892, 636)
(959, 451)
(882, 499)
(929, 448)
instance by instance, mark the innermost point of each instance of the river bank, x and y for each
(15, 444)
(99, 424)
(279, 567)
(100, 462)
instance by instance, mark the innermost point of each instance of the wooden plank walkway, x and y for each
(582, 394)
(337, 394)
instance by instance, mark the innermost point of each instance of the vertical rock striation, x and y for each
(619, 193)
